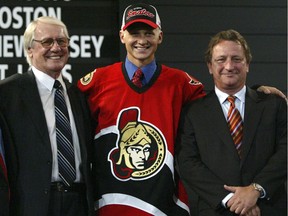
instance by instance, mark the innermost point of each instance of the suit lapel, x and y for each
(218, 123)
(31, 100)
(253, 113)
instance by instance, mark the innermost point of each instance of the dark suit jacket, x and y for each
(21, 106)
(207, 159)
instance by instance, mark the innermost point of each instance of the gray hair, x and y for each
(30, 31)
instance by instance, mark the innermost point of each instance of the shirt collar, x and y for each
(148, 70)
(46, 80)
(222, 96)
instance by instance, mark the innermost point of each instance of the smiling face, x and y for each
(50, 60)
(228, 66)
(141, 42)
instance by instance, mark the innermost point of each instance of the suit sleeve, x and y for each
(273, 174)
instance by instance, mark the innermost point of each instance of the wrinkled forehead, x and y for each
(47, 30)
(228, 47)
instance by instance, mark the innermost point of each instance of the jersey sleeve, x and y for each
(86, 83)
(193, 88)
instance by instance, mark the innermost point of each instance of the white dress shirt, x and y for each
(45, 87)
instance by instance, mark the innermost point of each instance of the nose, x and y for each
(142, 39)
(55, 45)
(229, 64)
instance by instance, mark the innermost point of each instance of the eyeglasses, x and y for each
(49, 42)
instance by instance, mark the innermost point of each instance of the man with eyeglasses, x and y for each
(51, 149)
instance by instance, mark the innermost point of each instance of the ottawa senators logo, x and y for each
(140, 149)
(87, 79)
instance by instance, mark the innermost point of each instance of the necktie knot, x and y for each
(231, 99)
(138, 77)
(57, 85)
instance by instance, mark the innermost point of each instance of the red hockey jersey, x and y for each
(133, 165)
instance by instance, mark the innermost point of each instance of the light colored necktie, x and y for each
(137, 78)
(65, 149)
(235, 124)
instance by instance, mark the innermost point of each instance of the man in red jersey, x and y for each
(136, 126)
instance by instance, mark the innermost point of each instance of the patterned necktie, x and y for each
(235, 124)
(137, 78)
(65, 149)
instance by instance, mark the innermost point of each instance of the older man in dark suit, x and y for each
(232, 154)
(49, 123)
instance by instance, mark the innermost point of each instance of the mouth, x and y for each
(230, 73)
(142, 48)
(54, 57)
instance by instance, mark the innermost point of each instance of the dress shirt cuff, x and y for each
(226, 199)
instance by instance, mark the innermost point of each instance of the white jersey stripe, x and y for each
(124, 199)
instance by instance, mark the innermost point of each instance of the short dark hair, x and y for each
(228, 35)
